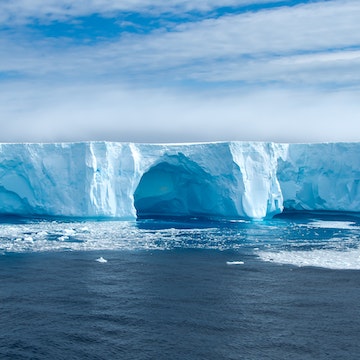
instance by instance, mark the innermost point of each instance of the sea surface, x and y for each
(286, 288)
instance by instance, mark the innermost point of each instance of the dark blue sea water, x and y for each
(288, 288)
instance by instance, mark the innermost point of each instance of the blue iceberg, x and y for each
(216, 180)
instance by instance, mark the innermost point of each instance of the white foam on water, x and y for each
(69, 232)
(324, 258)
(305, 248)
(101, 260)
(104, 235)
(325, 224)
(42, 233)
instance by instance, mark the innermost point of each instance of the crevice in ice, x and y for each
(178, 187)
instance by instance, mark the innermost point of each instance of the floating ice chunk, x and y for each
(101, 260)
(235, 263)
(325, 258)
(341, 225)
(42, 233)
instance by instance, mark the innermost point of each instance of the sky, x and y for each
(179, 70)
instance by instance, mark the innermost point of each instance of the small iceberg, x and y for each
(234, 263)
(101, 260)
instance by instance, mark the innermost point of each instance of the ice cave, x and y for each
(178, 187)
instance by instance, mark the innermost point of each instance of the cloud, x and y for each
(25, 11)
(309, 44)
(264, 34)
(281, 73)
(109, 112)
(340, 69)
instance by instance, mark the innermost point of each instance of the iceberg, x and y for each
(322, 177)
(228, 180)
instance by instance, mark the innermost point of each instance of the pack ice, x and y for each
(227, 179)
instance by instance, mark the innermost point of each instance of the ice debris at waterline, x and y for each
(230, 180)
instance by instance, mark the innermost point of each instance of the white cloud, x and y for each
(23, 11)
(314, 27)
(110, 112)
(341, 68)
(302, 43)
(66, 92)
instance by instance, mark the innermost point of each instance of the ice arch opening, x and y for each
(178, 187)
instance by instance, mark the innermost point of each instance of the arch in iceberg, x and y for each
(176, 186)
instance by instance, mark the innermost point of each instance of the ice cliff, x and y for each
(226, 179)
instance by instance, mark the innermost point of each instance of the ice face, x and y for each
(206, 180)
(227, 180)
(321, 176)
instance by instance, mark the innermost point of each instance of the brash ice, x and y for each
(223, 180)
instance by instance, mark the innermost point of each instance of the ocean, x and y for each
(285, 288)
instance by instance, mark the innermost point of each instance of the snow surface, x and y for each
(226, 179)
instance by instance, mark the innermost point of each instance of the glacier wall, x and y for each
(226, 179)
(321, 176)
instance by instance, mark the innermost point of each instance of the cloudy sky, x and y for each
(179, 70)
